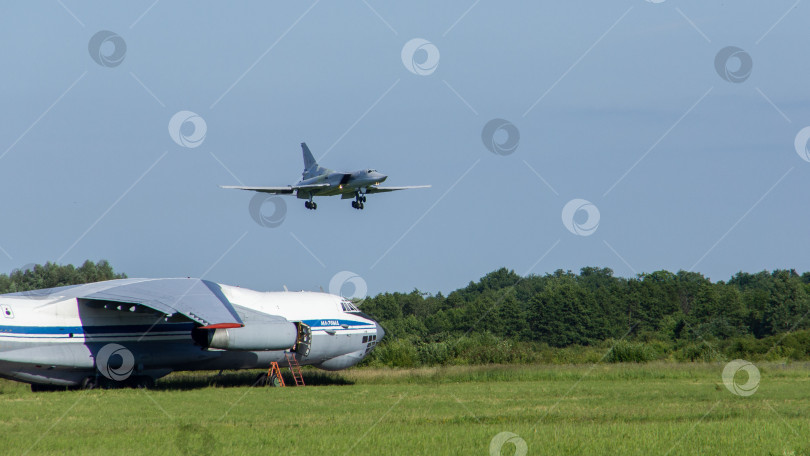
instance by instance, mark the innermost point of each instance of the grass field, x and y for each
(676, 409)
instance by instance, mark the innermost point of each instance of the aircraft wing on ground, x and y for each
(277, 190)
(199, 300)
(392, 189)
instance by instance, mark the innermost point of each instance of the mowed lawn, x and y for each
(676, 409)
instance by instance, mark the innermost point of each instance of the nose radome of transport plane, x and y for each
(380, 332)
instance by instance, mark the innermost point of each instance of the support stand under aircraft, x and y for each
(319, 181)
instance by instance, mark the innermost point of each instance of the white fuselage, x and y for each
(56, 339)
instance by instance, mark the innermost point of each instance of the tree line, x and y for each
(652, 316)
(563, 316)
(52, 275)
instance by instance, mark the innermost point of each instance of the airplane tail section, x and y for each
(309, 160)
(311, 167)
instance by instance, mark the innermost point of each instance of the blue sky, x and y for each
(617, 103)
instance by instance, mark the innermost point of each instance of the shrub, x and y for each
(631, 352)
(396, 353)
(698, 351)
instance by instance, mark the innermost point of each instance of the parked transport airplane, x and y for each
(134, 331)
(319, 181)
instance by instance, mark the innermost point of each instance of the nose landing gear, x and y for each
(311, 205)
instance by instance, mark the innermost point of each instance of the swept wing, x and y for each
(200, 300)
(277, 190)
(393, 189)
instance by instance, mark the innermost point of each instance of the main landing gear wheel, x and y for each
(311, 205)
(267, 380)
(89, 383)
(358, 201)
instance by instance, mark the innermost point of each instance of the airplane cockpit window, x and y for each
(348, 306)
(372, 171)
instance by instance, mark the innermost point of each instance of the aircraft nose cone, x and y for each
(380, 333)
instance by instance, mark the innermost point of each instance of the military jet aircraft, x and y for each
(319, 181)
(134, 331)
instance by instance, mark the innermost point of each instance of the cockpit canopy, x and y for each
(348, 306)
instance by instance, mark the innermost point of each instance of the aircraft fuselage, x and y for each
(57, 340)
(341, 183)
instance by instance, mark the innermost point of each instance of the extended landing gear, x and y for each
(136, 381)
(266, 380)
(358, 201)
(311, 205)
(89, 383)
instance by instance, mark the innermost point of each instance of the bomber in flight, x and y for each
(319, 181)
(130, 332)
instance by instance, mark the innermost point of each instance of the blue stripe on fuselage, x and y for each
(95, 330)
(144, 329)
(332, 322)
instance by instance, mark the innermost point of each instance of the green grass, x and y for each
(657, 408)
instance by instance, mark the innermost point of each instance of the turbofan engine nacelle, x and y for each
(253, 337)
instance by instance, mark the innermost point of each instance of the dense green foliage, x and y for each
(52, 275)
(564, 317)
(567, 317)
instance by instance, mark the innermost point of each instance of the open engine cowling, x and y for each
(276, 335)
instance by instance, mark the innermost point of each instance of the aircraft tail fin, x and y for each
(309, 160)
(311, 167)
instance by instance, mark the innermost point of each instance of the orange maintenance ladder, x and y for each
(295, 368)
(274, 375)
